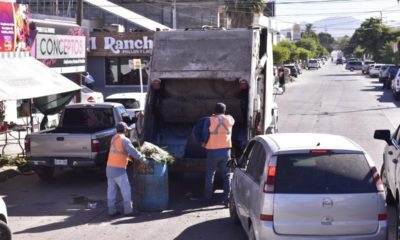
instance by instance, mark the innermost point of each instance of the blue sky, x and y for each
(289, 12)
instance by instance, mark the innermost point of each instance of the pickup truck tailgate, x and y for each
(61, 145)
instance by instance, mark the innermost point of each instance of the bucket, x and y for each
(150, 185)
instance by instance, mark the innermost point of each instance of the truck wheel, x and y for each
(45, 173)
(5, 232)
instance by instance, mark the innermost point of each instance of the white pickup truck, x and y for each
(82, 138)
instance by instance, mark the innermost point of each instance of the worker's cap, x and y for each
(220, 108)
(122, 126)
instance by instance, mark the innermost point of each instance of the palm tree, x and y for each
(240, 12)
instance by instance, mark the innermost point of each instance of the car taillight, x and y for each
(269, 184)
(382, 217)
(27, 145)
(91, 99)
(267, 205)
(319, 151)
(95, 145)
(243, 84)
(377, 180)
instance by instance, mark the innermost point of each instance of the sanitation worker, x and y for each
(218, 130)
(120, 150)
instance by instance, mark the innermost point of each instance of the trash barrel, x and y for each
(150, 186)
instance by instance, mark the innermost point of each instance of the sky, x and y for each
(289, 12)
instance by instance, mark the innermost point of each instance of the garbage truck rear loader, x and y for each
(193, 70)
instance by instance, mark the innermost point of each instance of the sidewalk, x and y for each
(13, 148)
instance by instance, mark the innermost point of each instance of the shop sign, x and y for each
(121, 44)
(60, 47)
(15, 34)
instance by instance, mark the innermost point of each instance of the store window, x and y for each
(118, 72)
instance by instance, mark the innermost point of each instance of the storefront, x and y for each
(23, 77)
(111, 57)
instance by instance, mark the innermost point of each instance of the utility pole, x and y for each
(174, 14)
(79, 17)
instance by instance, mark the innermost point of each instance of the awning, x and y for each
(128, 15)
(23, 77)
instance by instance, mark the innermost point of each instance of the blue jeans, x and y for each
(121, 182)
(216, 158)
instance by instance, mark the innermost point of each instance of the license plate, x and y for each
(61, 162)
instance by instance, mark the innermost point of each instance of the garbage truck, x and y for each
(191, 71)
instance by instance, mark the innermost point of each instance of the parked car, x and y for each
(353, 65)
(133, 102)
(395, 85)
(389, 171)
(312, 63)
(374, 70)
(382, 70)
(366, 65)
(297, 185)
(293, 70)
(90, 96)
(339, 61)
(5, 232)
(389, 75)
(81, 140)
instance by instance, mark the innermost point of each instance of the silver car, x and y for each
(307, 186)
(5, 232)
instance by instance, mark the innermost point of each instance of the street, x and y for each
(329, 100)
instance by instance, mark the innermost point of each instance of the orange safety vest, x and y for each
(220, 132)
(118, 156)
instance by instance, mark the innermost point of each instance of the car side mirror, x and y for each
(383, 135)
(232, 163)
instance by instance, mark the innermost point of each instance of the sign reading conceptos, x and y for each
(62, 48)
(121, 44)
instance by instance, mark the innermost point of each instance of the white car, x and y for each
(374, 71)
(5, 232)
(395, 85)
(313, 63)
(307, 186)
(133, 102)
(90, 96)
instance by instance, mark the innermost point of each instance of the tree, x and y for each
(294, 54)
(240, 12)
(304, 54)
(281, 54)
(308, 43)
(309, 33)
(358, 52)
(326, 40)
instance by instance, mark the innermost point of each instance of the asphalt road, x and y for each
(329, 100)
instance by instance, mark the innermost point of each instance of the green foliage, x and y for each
(8, 160)
(358, 52)
(309, 33)
(326, 40)
(387, 55)
(248, 6)
(308, 43)
(304, 54)
(291, 46)
(281, 54)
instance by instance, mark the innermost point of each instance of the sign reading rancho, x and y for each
(121, 44)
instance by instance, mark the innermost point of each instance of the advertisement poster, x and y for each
(15, 34)
(61, 47)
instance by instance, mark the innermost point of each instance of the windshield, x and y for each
(129, 103)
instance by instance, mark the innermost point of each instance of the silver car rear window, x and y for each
(323, 174)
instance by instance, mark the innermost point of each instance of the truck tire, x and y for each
(5, 232)
(45, 173)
